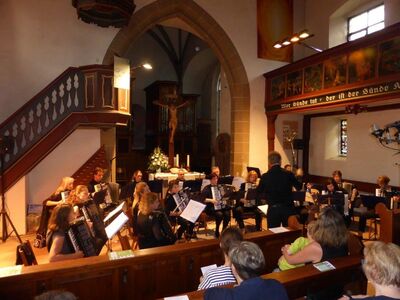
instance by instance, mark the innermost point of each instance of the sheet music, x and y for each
(116, 225)
(263, 208)
(114, 212)
(184, 297)
(193, 211)
(206, 269)
(278, 229)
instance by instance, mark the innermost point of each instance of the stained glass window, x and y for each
(343, 138)
(366, 22)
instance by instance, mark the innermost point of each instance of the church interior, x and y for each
(138, 136)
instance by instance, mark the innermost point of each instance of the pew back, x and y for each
(150, 274)
(301, 281)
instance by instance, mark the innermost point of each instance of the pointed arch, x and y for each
(212, 33)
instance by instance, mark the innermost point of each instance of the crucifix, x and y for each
(171, 102)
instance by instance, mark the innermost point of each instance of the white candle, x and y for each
(188, 160)
(177, 160)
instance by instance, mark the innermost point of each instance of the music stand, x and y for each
(299, 196)
(334, 199)
(5, 147)
(369, 201)
(99, 197)
(225, 180)
(257, 170)
(193, 185)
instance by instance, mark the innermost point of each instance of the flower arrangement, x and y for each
(158, 161)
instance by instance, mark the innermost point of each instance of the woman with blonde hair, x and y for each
(66, 185)
(57, 245)
(382, 268)
(330, 238)
(153, 228)
(140, 189)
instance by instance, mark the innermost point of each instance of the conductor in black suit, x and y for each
(277, 185)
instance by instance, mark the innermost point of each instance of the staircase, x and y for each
(85, 173)
(82, 96)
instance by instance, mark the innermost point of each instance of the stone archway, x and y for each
(211, 32)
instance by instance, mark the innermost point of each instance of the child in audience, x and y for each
(223, 274)
(299, 244)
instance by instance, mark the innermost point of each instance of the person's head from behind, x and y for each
(330, 229)
(173, 186)
(274, 158)
(149, 203)
(252, 176)
(383, 181)
(61, 217)
(137, 176)
(214, 179)
(382, 264)
(141, 188)
(337, 176)
(216, 170)
(247, 261)
(288, 168)
(229, 238)
(310, 230)
(299, 172)
(56, 295)
(98, 174)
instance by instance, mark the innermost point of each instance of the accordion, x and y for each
(80, 238)
(181, 200)
(219, 194)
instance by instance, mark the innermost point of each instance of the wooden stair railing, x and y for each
(79, 96)
(85, 173)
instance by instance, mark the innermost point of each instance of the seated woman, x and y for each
(140, 189)
(247, 265)
(244, 206)
(383, 185)
(220, 215)
(66, 185)
(174, 214)
(222, 275)
(153, 228)
(330, 238)
(382, 268)
(84, 206)
(57, 244)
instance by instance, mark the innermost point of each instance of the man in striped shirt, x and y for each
(223, 275)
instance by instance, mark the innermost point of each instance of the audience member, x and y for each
(223, 275)
(299, 244)
(382, 268)
(330, 239)
(247, 265)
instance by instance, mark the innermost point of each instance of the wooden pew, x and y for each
(150, 274)
(299, 282)
(390, 224)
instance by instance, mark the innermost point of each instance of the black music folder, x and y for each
(257, 170)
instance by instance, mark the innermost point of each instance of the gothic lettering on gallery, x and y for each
(357, 93)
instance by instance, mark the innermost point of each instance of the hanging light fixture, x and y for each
(297, 38)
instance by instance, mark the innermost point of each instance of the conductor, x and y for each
(277, 185)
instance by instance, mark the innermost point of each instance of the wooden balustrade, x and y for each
(150, 274)
(79, 96)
